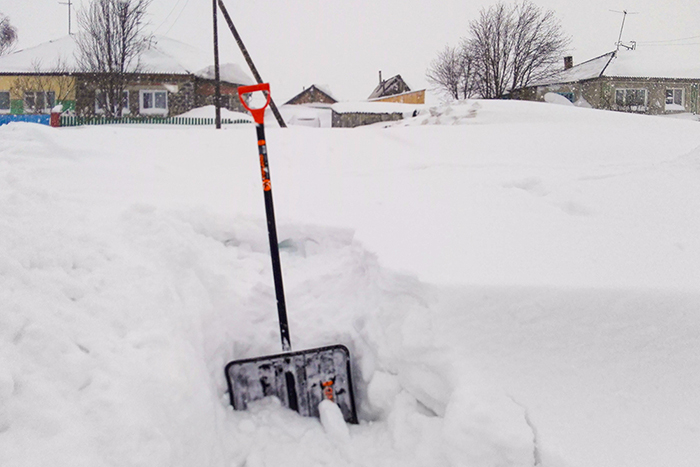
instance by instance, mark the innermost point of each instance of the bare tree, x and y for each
(513, 45)
(43, 89)
(491, 46)
(451, 73)
(539, 44)
(8, 35)
(110, 44)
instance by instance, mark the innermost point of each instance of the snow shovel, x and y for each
(301, 380)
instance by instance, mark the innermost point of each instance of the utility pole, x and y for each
(70, 4)
(249, 60)
(217, 77)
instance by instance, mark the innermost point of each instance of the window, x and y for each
(674, 99)
(154, 102)
(4, 102)
(634, 100)
(39, 101)
(568, 95)
(101, 102)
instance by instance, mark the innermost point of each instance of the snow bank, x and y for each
(311, 115)
(209, 111)
(558, 99)
(516, 290)
(452, 114)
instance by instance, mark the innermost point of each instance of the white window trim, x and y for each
(154, 110)
(47, 107)
(674, 106)
(9, 99)
(634, 108)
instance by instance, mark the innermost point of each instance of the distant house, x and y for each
(392, 100)
(175, 78)
(395, 89)
(354, 114)
(314, 94)
(641, 81)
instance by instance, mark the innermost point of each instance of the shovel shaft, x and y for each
(274, 245)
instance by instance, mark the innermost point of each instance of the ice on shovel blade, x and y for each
(301, 380)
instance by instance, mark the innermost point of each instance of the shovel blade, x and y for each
(300, 380)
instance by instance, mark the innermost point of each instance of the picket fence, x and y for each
(69, 120)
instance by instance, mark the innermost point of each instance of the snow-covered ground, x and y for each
(518, 284)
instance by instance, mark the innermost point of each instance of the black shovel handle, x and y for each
(258, 115)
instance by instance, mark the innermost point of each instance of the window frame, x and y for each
(152, 109)
(680, 106)
(31, 96)
(631, 106)
(9, 103)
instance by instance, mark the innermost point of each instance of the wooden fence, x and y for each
(67, 120)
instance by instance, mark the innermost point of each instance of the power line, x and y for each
(167, 17)
(178, 17)
(669, 40)
(668, 45)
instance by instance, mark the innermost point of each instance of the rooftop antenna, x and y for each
(70, 4)
(624, 17)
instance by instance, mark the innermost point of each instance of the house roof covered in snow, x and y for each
(389, 87)
(642, 62)
(163, 55)
(314, 93)
(593, 68)
(229, 72)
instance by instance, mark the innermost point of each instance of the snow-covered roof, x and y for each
(323, 88)
(163, 55)
(656, 62)
(642, 62)
(44, 57)
(587, 70)
(229, 72)
(388, 87)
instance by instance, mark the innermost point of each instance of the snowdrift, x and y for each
(517, 284)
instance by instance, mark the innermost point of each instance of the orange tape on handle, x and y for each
(258, 114)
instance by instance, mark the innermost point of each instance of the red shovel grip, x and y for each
(259, 113)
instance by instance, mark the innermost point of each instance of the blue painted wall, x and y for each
(43, 119)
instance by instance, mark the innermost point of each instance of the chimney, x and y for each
(380, 77)
(568, 62)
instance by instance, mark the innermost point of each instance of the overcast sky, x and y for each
(344, 44)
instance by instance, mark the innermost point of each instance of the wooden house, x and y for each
(395, 89)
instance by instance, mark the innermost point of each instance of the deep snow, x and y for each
(517, 283)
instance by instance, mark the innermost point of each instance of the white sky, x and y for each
(344, 44)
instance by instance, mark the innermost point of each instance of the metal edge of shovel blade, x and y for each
(299, 379)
